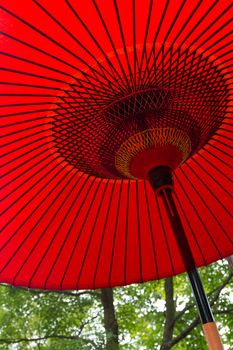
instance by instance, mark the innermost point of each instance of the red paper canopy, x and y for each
(83, 85)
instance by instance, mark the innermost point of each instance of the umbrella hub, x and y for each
(159, 115)
(167, 147)
(136, 132)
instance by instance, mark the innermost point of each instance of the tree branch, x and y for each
(216, 293)
(224, 312)
(194, 324)
(53, 336)
(196, 321)
(185, 332)
(62, 292)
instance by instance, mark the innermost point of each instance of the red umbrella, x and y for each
(97, 98)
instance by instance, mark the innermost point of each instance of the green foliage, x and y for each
(141, 311)
(69, 321)
(29, 315)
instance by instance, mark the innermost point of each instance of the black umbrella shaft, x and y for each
(200, 297)
(187, 256)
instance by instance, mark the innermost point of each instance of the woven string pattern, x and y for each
(185, 92)
(148, 139)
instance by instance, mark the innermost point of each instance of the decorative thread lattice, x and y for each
(174, 92)
(151, 138)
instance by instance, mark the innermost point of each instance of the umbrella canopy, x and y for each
(93, 95)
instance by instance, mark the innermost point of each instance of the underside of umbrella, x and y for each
(94, 94)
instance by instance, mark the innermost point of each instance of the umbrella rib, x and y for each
(187, 21)
(220, 159)
(17, 167)
(225, 54)
(225, 129)
(58, 229)
(126, 233)
(103, 235)
(26, 112)
(217, 31)
(145, 38)
(227, 123)
(227, 60)
(80, 231)
(26, 120)
(222, 143)
(136, 64)
(156, 35)
(122, 37)
(82, 72)
(80, 104)
(170, 67)
(220, 150)
(204, 202)
(53, 160)
(220, 40)
(46, 87)
(111, 41)
(223, 135)
(25, 105)
(103, 69)
(210, 191)
(34, 75)
(21, 147)
(165, 236)
(115, 232)
(40, 219)
(211, 24)
(169, 31)
(190, 227)
(185, 89)
(193, 29)
(23, 172)
(151, 231)
(179, 60)
(179, 55)
(80, 93)
(188, 54)
(175, 20)
(208, 27)
(139, 234)
(28, 95)
(22, 224)
(24, 154)
(200, 219)
(23, 130)
(25, 205)
(209, 173)
(40, 32)
(216, 198)
(71, 226)
(95, 41)
(41, 131)
(52, 69)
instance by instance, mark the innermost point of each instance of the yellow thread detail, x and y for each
(147, 139)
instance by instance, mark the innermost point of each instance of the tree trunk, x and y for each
(170, 315)
(110, 321)
(230, 262)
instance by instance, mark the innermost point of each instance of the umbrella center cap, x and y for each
(151, 148)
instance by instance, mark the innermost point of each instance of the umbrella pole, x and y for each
(162, 182)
